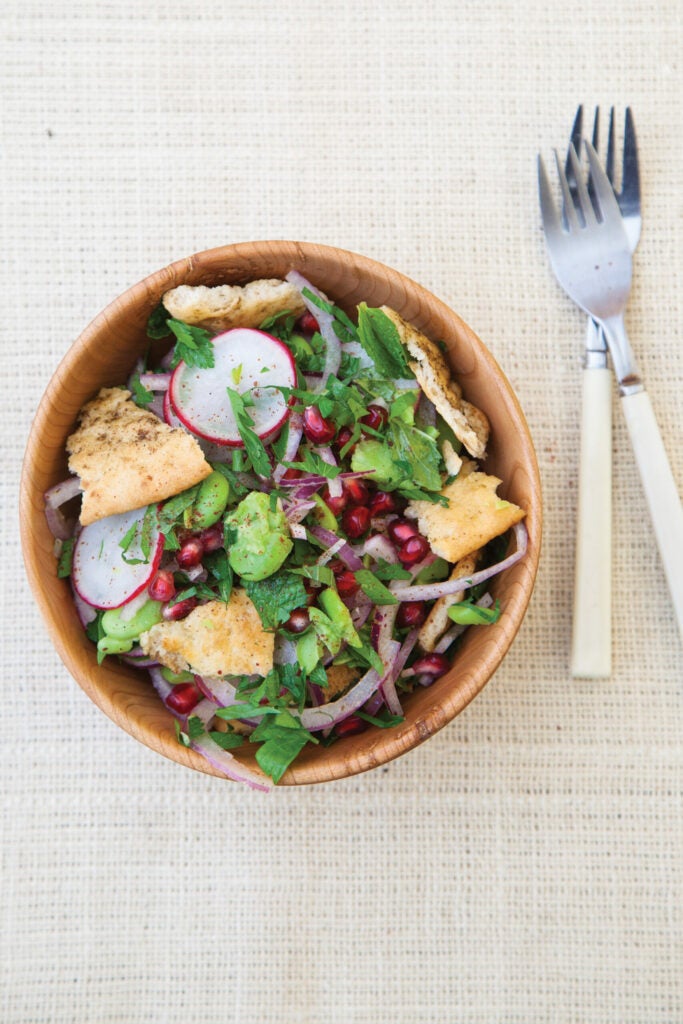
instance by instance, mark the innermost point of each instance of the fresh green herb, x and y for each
(220, 569)
(94, 630)
(280, 325)
(374, 588)
(236, 374)
(415, 494)
(252, 442)
(282, 738)
(344, 328)
(157, 324)
(276, 597)
(311, 462)
(389, 571)
(226, 740)
(385, 720)
(141, 396)
(195, 729)
(380, 339)
(193, 345)
(466, 613)
(420, 452)
(65, 558)
(317, 573)
(438, 570)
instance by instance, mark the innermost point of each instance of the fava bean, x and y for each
(128, 629)
(177, 677)
(112, 645)
(210, 503)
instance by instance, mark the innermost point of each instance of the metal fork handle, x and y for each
(659, 485)
(592, 617)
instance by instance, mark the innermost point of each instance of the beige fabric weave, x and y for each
(525, 865)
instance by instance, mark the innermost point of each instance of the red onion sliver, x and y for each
(455, 631)
(326, 325)
(284, 652)
(328, 538)
(327, 455)
(315, 719)
(220, 692)
(298, 510)
(224, 761)
(331, 552)
(155, 381)
(296, 430)
(380, 547)
(63, 491)
(298, 531)
(431, 591)
(388, 682)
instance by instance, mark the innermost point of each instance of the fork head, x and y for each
(590, 251)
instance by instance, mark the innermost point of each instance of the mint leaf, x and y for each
(376, 591)
(380, 339)
(389, 571)
(385, 720)
(220, 569)
(193, 345)
(282, 738)
(252, 442)
(65, 558)
(420, 452)
(226, 740)
(276, 597)
(141, 396)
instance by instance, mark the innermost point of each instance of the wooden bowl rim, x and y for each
(382, 745)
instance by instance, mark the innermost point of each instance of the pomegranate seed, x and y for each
(351, 726)
(401, 530)
(413, 550)
(336, 504)
(292, 474)
(298, 621)
(162, 587)
(183, 698)
(179, 610)
(376, 418)
(346, 583)
(311, 592)
(357, 492)
(211, 539)
(316, 428)
(190, 553)
(356, 521)
(381, 503)
(411, 614)
(343, 438)
(430, 667)
(308, 322)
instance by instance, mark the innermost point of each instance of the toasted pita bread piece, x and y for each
(226, 305)
(468, 423)
(127, 458)
(475, 515)
(339, 679)
(437, 622)
(216, 639)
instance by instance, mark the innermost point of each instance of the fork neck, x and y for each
(623, 359)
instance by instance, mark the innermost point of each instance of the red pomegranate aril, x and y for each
(430, 668)
(183, 698)
(307, 322)
(343, 438)
(316, 428)
(413, 550)
(179, 610)
(401, 530)
(211, 539)
(347, 585)
(357, 492)
(292, 474)
(335, 504)
(351, 726)
(162, 587)
(356, 521)
(376, 417)
(190, 553)
(298, 621)
(411, 614)
(381, 504)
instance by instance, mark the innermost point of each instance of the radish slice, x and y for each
(100, 575)
(245, 360)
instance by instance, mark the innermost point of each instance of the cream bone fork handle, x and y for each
(592, 262)
(591, 655)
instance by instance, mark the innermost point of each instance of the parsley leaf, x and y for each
(276, 597)
(219, 567)
(344, 327)
(380, 339)
(374, 588)
(193, 345)
(157, 324)
(141, 396)
(389, 571)
(226, 740)
(252, 442)
(282, 738)
(65, 558)
(385, 720)
(311, 462)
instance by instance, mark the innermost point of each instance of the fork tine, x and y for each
(596, 140)
(630, 178)
(609, 160)
(569, 208)
(575, 141)
(581, 191)
(603, 190)
(551, 219)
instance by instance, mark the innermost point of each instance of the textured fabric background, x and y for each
(525, 865)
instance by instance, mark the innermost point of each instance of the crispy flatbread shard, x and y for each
(216, 639)
(437, 622)
(127, 458)
(475, 515)
(223, 306)
(339, 679)
(468, 423)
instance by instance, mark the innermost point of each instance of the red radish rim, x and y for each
(221, 441)
(154, 566)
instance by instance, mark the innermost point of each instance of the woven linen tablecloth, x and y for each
(524, 865)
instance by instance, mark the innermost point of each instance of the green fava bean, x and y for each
(128, 629)
(176, 677)
(111, 645)
(210, 503)
(262, 537)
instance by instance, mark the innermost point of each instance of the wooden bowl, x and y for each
(103, 356)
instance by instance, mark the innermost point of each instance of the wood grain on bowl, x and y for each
(104, 354)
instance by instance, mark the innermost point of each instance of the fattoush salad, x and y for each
(283, 520)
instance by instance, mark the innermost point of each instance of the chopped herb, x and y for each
(157, 324)
(65, 558)
(252, 442)
(380, 338)
(236, 374)
(317, 573)
(282, 737)
(420, 452)
(374, 588)
(220, 569)
(311, 462)
(384, 720)
(193, 345)
(345, 329)
(141, 396)
(276, 597)
(226, 740)
(389, 571)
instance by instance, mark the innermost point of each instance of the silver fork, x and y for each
(592, 616)
(591, 258)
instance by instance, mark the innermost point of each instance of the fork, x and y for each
(591, 258)
(592, 615)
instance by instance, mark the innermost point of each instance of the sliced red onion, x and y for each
(325, 323)
(458, 629)
(161, 685)
(431, 591)
(388, 682)
(196, 574)
(315, 719)
(303, 487)
(219, 691)
(155, 381)
(296, 430)
(380, 547)
(298, 531)
(360, 612)
(224, 761)
(156, 406)
(348, 557)
(138, 659)
(298, 510)
(331, 552)
(426, 412)
(327, 455)
(58, 525)
(284, 652)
